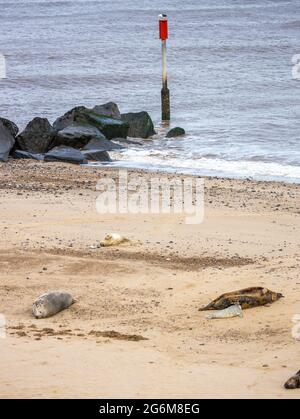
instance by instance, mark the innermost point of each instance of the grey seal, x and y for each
(51, 303)
(293, 382)
(246, 298)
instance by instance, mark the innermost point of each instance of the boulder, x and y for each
(111, 128)
(75, 114)
(109, 109)
(102, 145)
(7, 141)
(20, 154)
(97, 149)
(77, 135)
(140, 124)
(11, 126)
(66, 154)
(37, 136)
(175, 132)
(96, 155)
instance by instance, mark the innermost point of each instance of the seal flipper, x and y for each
(220, 303)
(208, 307)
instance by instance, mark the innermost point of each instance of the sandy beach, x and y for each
(135, 330)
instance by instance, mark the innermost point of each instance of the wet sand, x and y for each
(136, 330)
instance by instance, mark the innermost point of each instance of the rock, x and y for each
(102, 145)
(77, 135)
(7, 140)
(96, 155)
(111, 128)
(109, 109)
(175, 132)
(63, 153)
(37, 136)
(69, 117)
(97, 149)
(11, 126)
(140, 124)
(20, 154)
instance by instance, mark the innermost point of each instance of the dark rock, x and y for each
(97, 149)
(102, 145)
(67, 154)
(77, 135)
(140, 124)
(175, 132)
(20, 154)
(111, 128)
(11, 126)
(37, 136)
(109, 109)
(69, 117)
(7, 141)
(96, 155)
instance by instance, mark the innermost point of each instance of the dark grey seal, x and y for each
(293, 382)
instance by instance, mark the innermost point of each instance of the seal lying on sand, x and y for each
(113, 239)
(51, 303)
(246, 298)
(232, 311)
(293, 382)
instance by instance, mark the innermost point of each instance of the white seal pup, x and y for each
(232, 311)
(51, 303)
(113, 239)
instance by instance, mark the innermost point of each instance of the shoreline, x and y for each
(152, 287)
(176, 172)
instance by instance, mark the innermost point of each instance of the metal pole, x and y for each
(165, 93)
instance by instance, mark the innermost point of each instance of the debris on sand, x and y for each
(51, 303)
(113, 239)
(246, 298)
(116, 335)
(293, 382)
(232, 311)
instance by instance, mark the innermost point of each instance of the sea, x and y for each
(233, 69)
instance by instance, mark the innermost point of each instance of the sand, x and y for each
(136, 330)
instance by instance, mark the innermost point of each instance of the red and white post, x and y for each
(165, 93)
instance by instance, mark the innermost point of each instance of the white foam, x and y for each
(163, 160)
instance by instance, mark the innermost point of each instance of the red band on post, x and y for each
(163, 30)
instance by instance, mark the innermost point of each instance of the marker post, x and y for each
(165, 93)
